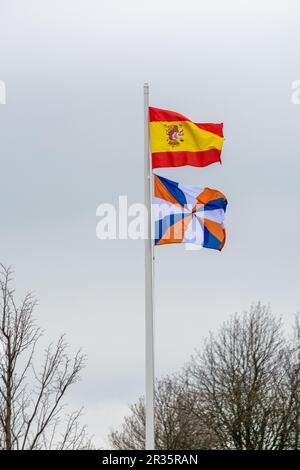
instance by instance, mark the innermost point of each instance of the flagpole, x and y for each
(149, 317)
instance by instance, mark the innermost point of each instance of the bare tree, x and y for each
(241, 390)
(246, 379)
(31, 401)
(292, 393)
(175, 426)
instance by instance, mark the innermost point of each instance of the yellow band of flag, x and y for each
(190, 137)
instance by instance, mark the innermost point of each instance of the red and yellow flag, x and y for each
(177, 141)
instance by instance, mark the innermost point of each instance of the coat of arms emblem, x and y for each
(174, 134)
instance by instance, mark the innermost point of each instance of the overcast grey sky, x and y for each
(71, 137)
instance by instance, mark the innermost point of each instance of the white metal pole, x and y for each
(149, 317)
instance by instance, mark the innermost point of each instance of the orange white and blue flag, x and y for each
(188, 214)
(177, 141)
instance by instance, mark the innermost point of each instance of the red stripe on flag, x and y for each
(211, 127)
(169, 159)
(164, 115)
(157, 114)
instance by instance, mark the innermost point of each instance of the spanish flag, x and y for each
(177, 141)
